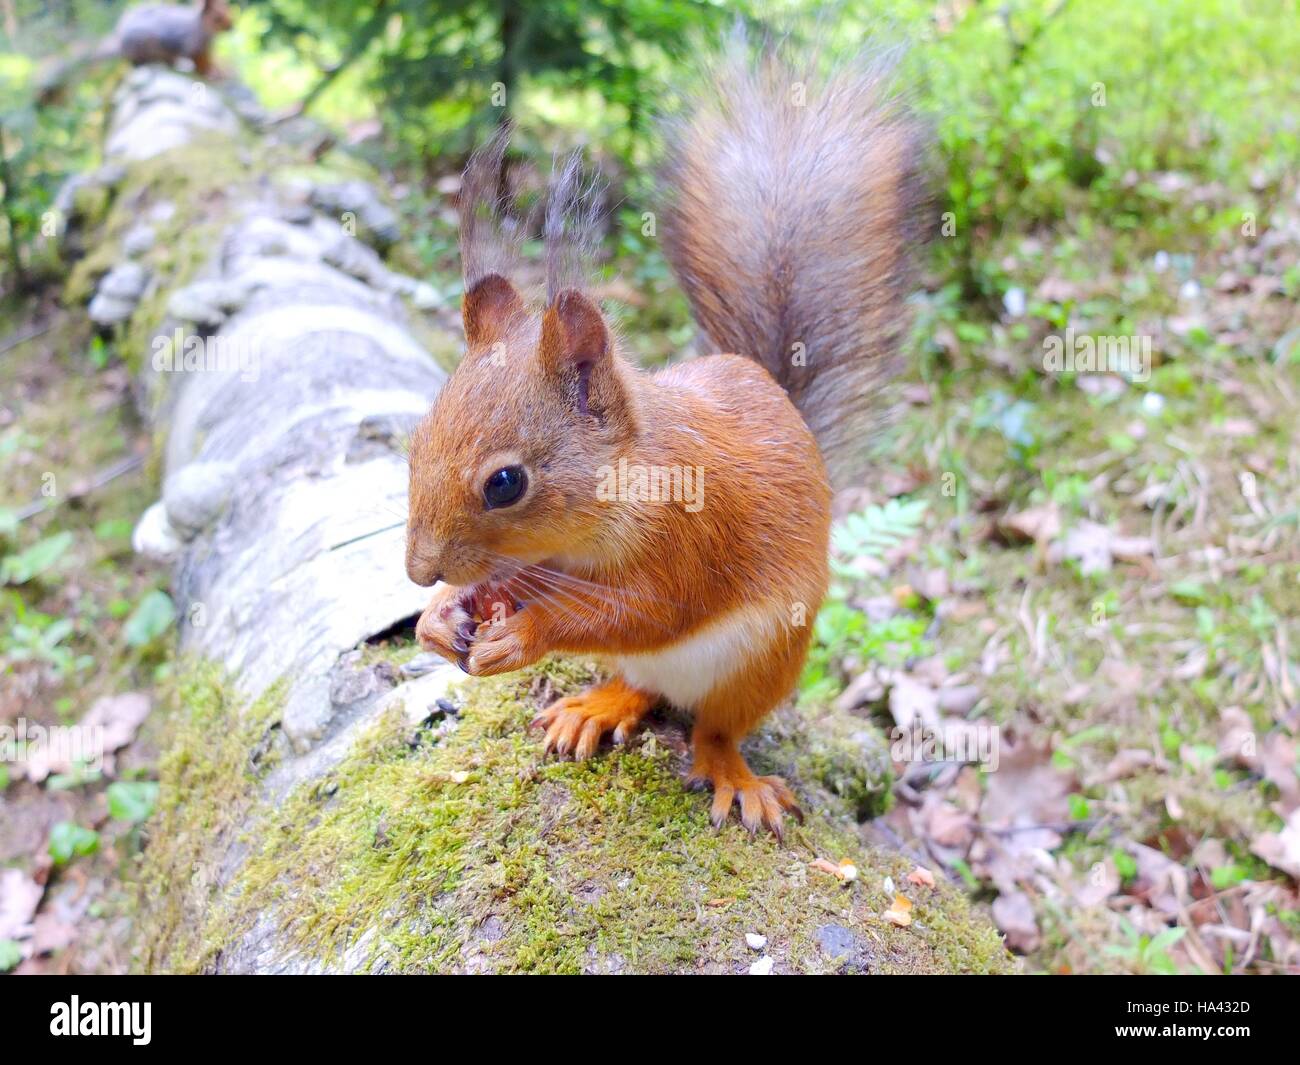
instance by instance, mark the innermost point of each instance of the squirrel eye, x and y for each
(505, 486)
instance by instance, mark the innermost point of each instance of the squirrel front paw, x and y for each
(446, 627)
(502, 647)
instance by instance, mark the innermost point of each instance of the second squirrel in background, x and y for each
(790, 220)
(163, 33)
(150, 33)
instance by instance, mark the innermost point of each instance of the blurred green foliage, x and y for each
(1043, 111)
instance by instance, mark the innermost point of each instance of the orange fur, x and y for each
(576, 725)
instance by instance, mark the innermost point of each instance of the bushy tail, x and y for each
(793, 202)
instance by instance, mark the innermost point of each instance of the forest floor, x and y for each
(82, 634)
(1101, 591)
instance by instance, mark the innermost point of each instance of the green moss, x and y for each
(199, 179)
(90, 204)
(844, 757)
(396, 650)
(216, 749)
(472, 853)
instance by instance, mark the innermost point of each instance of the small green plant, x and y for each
(70, 840)
(35, 560)
(132, 800)
(873, 532)
(79, 775)
(1144, 954)
(152, 617)
(841, 632)
(37, 637)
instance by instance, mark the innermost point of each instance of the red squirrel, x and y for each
(163, 33)
(150, 33)
(791, 210)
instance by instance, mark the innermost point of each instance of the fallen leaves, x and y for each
(1095, 547)
(1281, 849)
(1039, 525)
(19, 897)
(1013, 913)
(109, 725)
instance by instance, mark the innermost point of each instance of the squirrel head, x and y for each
(505, 468)
(216, 16)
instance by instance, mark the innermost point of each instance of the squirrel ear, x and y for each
(487, 308)
(575, 342)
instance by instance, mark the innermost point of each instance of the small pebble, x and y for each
(755, 941)
(762, 967)
(421, 664)
(1014, 302)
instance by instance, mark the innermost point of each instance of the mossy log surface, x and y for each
(323, 808)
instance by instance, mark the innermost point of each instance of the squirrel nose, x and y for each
(421, 573)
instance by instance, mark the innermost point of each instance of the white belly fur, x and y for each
(687, 671)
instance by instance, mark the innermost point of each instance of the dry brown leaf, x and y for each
(1101, 882)
(19, 897)
(945, 824)
(1089, 544)
(1027, 790)
(959, 699)
(51, 933)
(1238, 739)
(1126, 763)
(1014, 915)
(118, 716)
(1281, 849)
(912, 703)
(1041, 524)
(1277, 761)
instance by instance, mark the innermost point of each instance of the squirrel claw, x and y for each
(577, 724)
(762, 800)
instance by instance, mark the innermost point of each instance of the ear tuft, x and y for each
(487, 309)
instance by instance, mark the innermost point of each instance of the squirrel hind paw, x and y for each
(763, 800)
